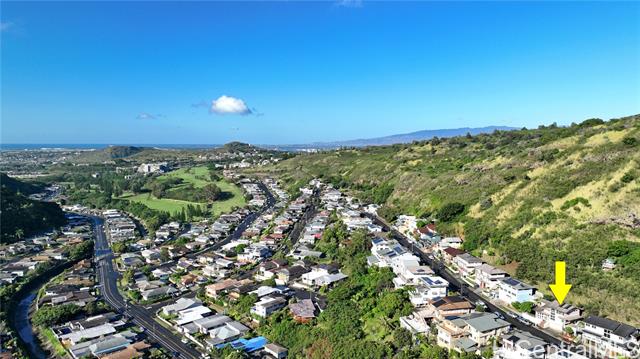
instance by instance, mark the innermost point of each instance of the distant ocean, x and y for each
(90, 146)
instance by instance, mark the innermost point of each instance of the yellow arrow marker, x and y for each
(560, 289)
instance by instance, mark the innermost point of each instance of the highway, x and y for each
(108, 277)
(464, 289)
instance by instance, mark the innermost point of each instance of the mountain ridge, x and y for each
(523, 199)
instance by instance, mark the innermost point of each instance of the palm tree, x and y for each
(19, 233)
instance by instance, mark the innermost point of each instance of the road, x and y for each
(141, 316)
(464, 289)
(237, 232)
(306, 217)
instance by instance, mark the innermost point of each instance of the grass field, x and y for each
(55, 343)
(198, 176)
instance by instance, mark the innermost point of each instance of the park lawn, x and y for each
(163, 204)
(175, 205)
(55, 343)
(198, 176)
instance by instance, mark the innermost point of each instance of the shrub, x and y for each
(450, 211)
(630, 141)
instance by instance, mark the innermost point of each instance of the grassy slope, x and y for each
(198, 176)
(523, 178)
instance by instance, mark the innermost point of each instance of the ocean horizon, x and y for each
(95, 146)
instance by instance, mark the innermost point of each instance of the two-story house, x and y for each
(511, 290)
(553, 316)
(427, 289)
(488, 277)
(467, 264)
(609, 338)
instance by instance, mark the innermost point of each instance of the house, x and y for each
(180, 305)
(228, 332)
(77, 336)
(448, 254)
(160, 292)
(421, 320)
(134, 350)
(102, 346)
(470, 332)
(467, 264)
(214, 290)
(417, 322)
(566, 354)
(206, 324)
(246, 345)
(130, 260)
(267, 270)
(451, 306)
(93, 321)
(267, 305)
(253, 253)
(521, 345)
(427, 289)
(303, 311)
(302, 252)
(511, 290)
(322, 275)
(411, 275)
(275, 351)
(264, 290)
(488, 277)
(189, 315)
(150, 255)
(285, 276)
(610, 338)
(556, 317)
(109, 345)
(450, 242)
(608, 264)
(161, 274)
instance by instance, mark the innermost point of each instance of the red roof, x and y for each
(454, 252)
(429, 228)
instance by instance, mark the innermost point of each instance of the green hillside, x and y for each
(521, 199)
(23, 217)
(15, 185)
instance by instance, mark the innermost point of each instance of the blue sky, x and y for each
(298, 72)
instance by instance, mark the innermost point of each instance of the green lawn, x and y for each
(163, 204)
(198, 176)
(376, 329)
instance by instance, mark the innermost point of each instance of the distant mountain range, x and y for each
(394, 139)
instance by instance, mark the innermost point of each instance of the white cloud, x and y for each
(148, 116)
(229, 105)
(349, 3)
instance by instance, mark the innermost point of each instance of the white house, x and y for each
(553, 316)
(467, 264)
(488, 277)
(610, 338)
(521, 345)
(268, 305)
(511, 290)
(450, 242)
(428, 288)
